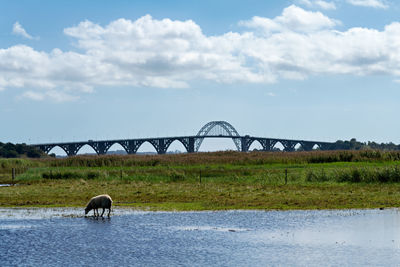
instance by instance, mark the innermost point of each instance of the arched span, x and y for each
(218, 129)
(278, 146)
(86, 145)
(118, 143)
(184, 142)
(254, 142)
(49, 148)
(153, 143)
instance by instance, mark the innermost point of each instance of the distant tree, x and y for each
(11, 154)
(10, 150)
(20, 148)
(33, 153)
(353, 144)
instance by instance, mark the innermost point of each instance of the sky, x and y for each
(296, 69)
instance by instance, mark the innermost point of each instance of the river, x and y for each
(64, 237)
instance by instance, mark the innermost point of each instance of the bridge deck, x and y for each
(161, 144)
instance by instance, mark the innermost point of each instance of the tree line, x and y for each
(9, 150)
(353, 144)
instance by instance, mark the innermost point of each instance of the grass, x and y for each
(210, 181)
(208, 196)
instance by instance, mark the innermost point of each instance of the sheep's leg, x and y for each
(109, 210)
(102, 212)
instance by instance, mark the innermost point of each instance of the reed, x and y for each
(226, 157)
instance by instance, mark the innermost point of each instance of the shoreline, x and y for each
(117, 211)
(48, 213)
(151, 208)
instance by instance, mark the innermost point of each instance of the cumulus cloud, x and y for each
(19, 30)
(368, 3)
(172, 54)
(293, 18)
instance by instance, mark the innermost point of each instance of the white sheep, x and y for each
(101, 201)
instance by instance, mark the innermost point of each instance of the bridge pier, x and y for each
(245, 143)
(288, 145)
(71, 149)
(101, 148)
(190, 148)
(131, 146)
(159, 145)
(307, 146)
(268, 144)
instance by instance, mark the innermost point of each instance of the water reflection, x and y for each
(61, 237)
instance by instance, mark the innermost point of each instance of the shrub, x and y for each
(320, 176)
(92, 175)
(176, 176)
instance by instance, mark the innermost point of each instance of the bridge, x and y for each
(213, 129)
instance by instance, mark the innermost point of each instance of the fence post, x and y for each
(285, 176)
(200, 177)
(13, 175)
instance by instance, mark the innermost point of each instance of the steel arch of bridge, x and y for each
(217, 129)
(191, 143)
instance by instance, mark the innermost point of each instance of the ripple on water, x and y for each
(208, 228)
(15, 226)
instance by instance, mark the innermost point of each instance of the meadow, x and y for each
(209, 181)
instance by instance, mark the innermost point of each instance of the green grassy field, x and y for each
(210, 181)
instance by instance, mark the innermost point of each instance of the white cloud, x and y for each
(293, 18)
(369, 3)
(172, 54)
(33, 95)
(318, 4)
(56, 96)
(19, 30)
(307, 3)
(325, 5)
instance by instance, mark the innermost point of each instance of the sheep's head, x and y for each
(87, 210)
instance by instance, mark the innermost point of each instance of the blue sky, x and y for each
(303, 69)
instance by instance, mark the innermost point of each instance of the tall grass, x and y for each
(8, 164)
(254, 167)
(390, 174)
(226, 157)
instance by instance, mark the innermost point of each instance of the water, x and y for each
(63, 237)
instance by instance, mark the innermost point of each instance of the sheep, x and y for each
(101, 201)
